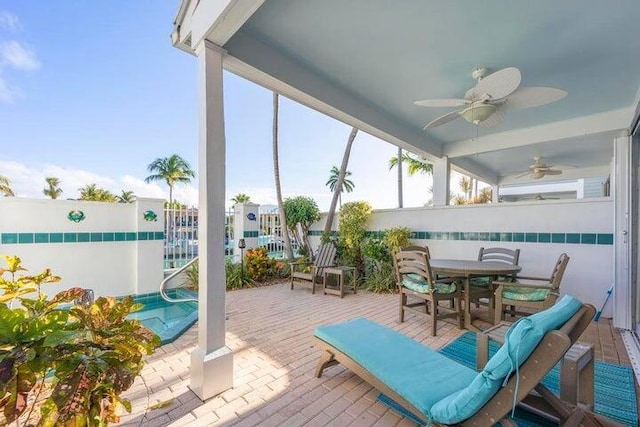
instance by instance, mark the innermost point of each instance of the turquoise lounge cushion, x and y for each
(416, 283)
(419, 374)
(520, 341)
(525, 294)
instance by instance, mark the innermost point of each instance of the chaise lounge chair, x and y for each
(440, 391)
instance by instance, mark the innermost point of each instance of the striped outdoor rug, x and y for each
(615, 395)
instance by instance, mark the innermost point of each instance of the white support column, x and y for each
(621, 187)
(441, 179)
(211, 361)
(495, 194)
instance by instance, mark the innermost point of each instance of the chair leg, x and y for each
(460, 314)
(434, 316)
(326, 360)
(403, 302)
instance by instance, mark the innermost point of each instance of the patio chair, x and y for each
(441, 391)
(482, 287)
(325, 257)
(415, 278)
(414, 248)
(538, 293)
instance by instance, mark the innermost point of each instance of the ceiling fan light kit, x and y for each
(486, 102)
(478, 112)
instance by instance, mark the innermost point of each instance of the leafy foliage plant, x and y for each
(259, 265)
(72, 362)
(352, 231)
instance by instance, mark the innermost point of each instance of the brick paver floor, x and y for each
(270, 331)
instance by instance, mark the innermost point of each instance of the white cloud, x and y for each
(9, 21)
(7, 95)
(15, 55)
(29, 181)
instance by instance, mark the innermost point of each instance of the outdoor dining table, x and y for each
(469, 269)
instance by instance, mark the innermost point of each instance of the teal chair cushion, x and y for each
(524, 294)
(417, 373)
(416, 283)
(482, 282)
(520, 341)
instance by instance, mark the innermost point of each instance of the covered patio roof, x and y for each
(366, 62)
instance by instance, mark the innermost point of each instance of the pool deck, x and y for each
(270, 331)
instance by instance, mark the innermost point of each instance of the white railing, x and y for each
(181, 236)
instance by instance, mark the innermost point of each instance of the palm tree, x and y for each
(466, 185)
(172, 170)
(485, 195)
(347, 184)
(54, 190)
(414, 166)
(126, 197)
(343, 171)
(276, 175)
(5, 187)
(92, 192)
(241, 198)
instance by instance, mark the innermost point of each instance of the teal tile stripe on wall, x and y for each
(82, 237)
(247, 234)
(502, 236)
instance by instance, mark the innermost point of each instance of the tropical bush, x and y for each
(237, 276)
(378, 259)
(352, 230)
(259, 265)
(192, 276)
(70, 361)
(381, 278)
(396, 238)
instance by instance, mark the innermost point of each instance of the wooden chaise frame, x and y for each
(548, 352)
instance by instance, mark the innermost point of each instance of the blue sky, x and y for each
(92, 92)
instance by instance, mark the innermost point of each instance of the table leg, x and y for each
(467, 306)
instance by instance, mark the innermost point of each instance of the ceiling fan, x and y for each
(539, 170)
(485, 104)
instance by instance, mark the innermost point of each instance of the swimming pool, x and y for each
(168, 320)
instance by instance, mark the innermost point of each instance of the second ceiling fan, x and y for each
(485, 104)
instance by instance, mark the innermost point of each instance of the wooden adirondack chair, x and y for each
(325, 257)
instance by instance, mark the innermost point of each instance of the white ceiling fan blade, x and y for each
(494, 120)
(562, 167)
(522, 175)
(499, 84)
(553, 172)
(528, 97)
(442, 102)
(442, 120)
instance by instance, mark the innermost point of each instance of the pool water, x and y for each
(168, 320)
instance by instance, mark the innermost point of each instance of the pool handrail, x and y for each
(166, 280)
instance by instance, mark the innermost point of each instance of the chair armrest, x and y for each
(293, 265)
(544, 279)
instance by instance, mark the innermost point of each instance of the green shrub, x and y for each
(376, 251)
(352, 230)
(72, 363)
(191, 277)
(381, 279)
(396, 238)
(237, 277)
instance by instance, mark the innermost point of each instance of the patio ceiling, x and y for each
(366, 61)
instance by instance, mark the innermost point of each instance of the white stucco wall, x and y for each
(590, 270)
(131, 266)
